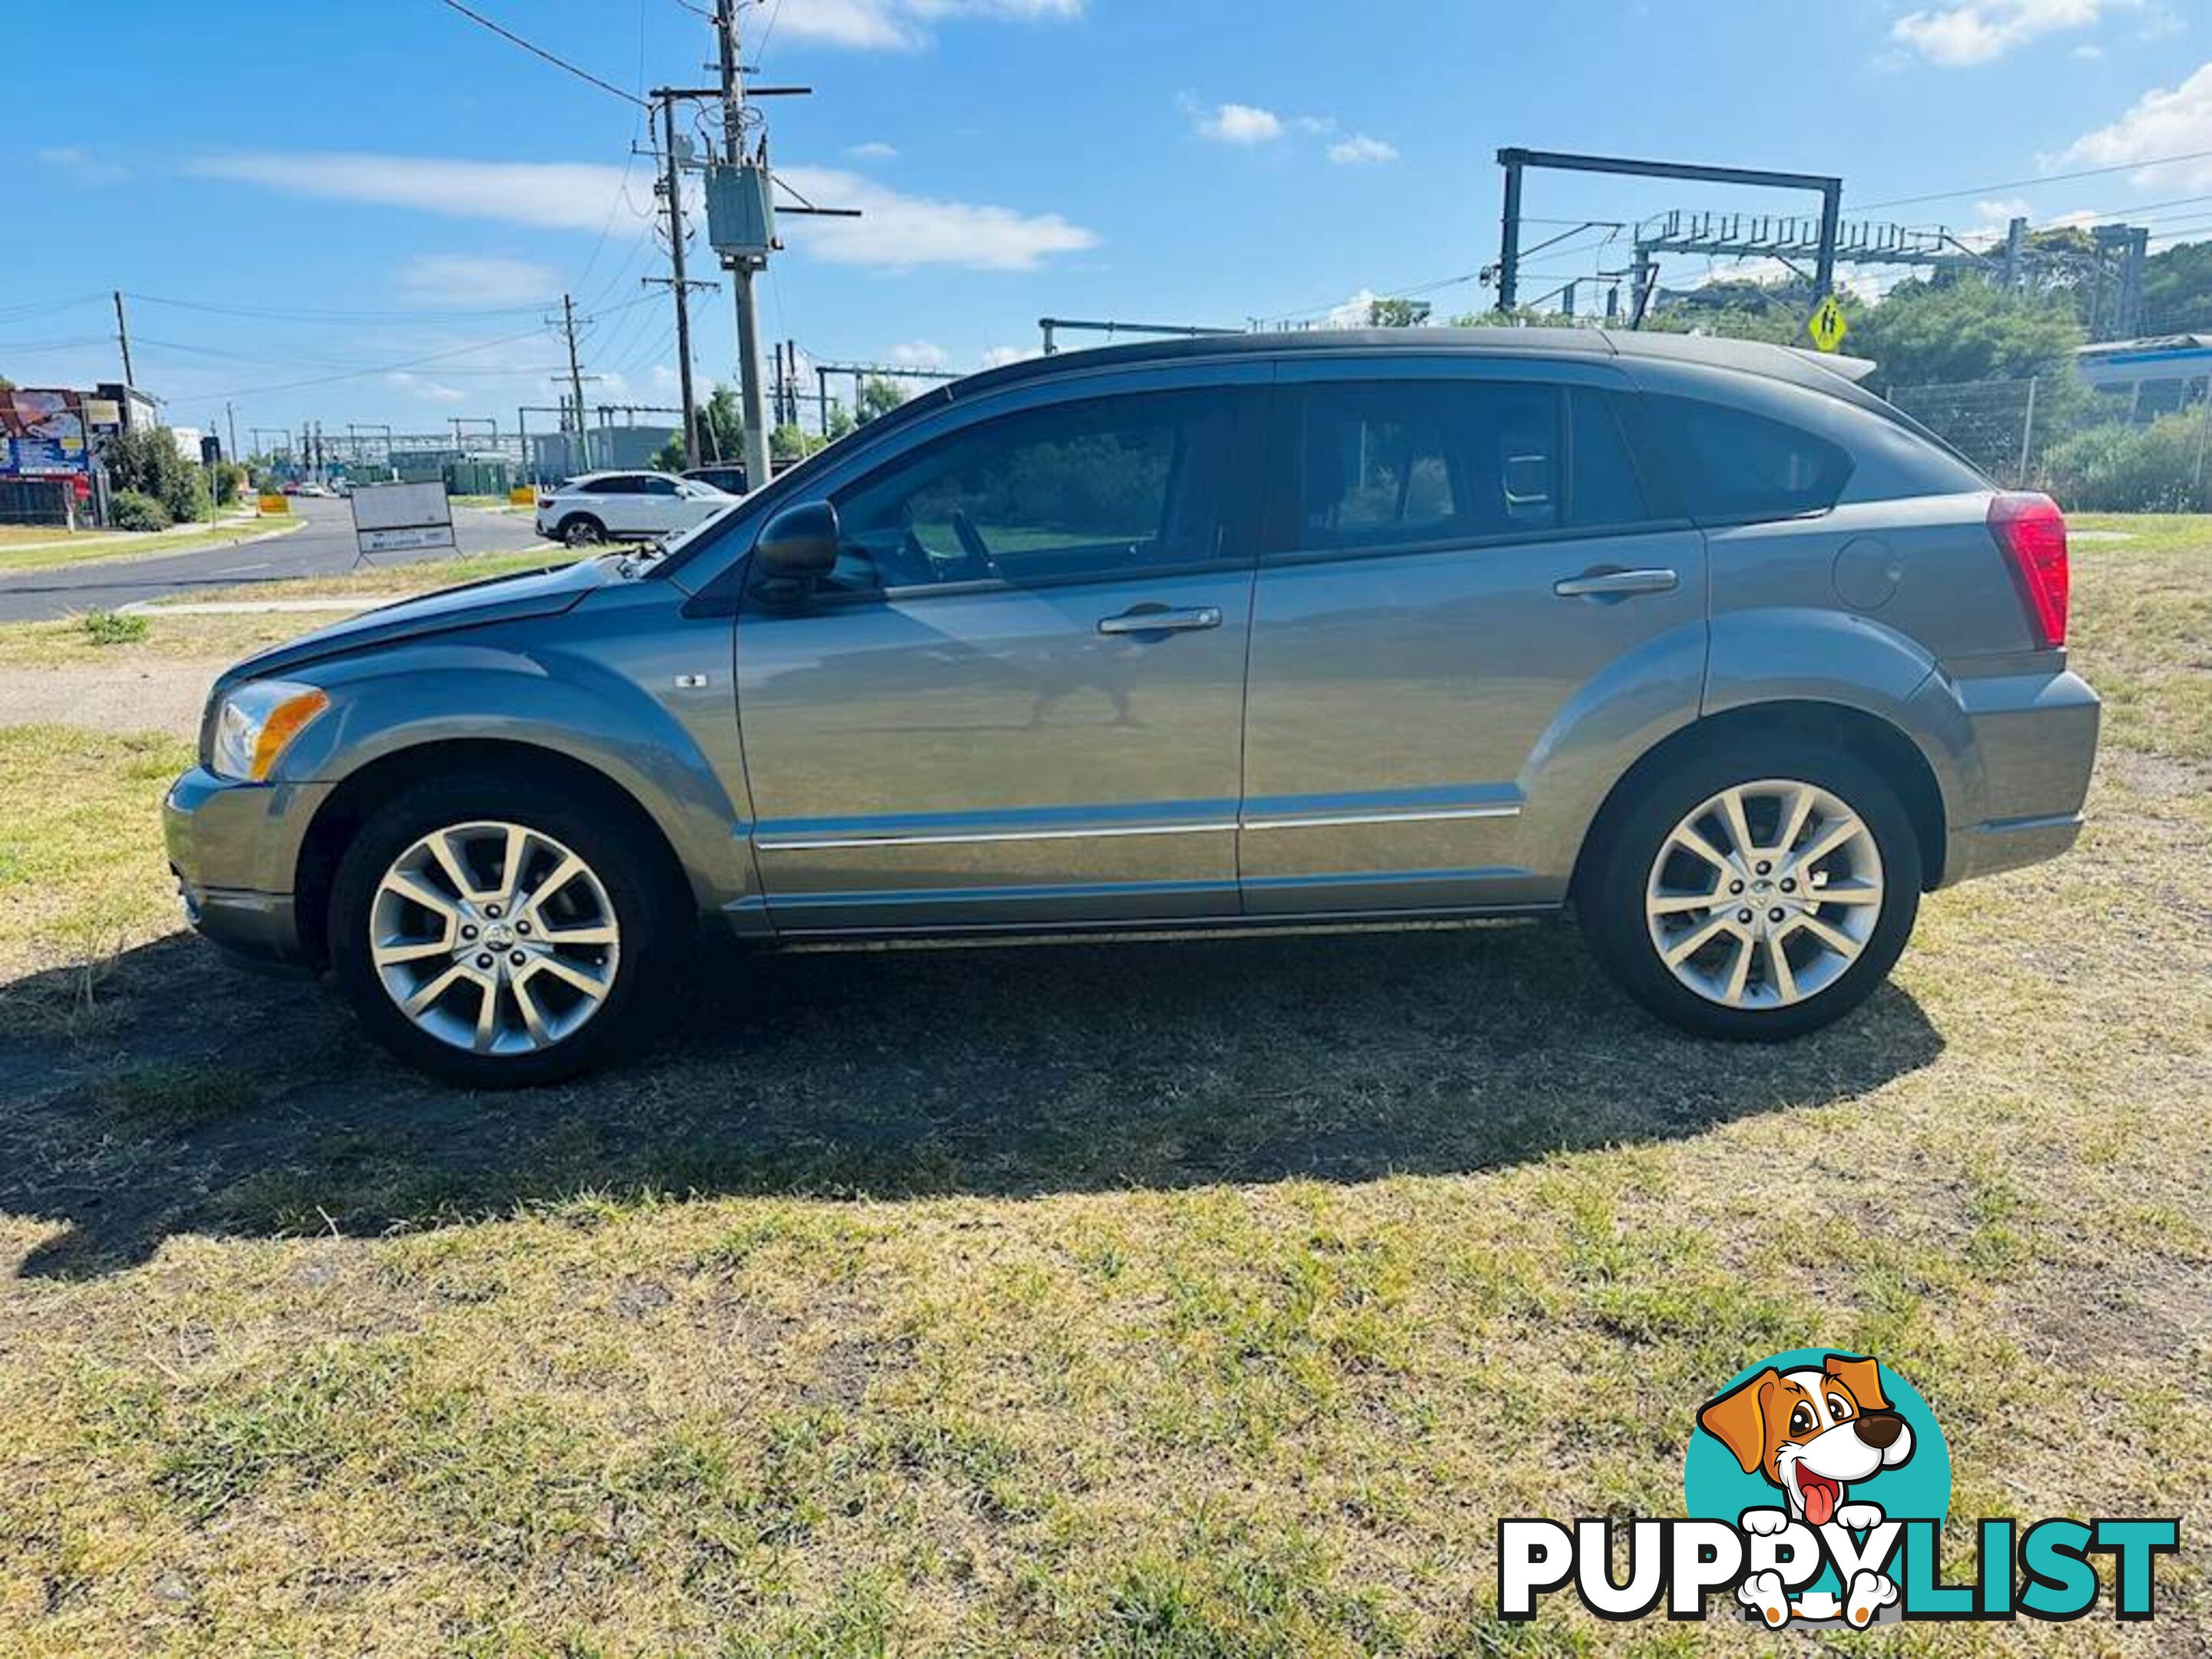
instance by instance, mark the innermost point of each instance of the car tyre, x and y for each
(1640, 894)
(583, 910)
(582, 530)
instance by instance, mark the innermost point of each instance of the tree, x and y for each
(1397, 313)
(721, 435)
(880, 396)
(789, 443)
(2178, 289)
(840, 422)
(147, 461)
(722, 426)
(1934, 334)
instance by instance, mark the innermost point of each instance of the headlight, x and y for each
(255, 723)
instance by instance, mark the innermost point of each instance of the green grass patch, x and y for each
(111, 628)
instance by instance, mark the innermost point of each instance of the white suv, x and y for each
(605, 506)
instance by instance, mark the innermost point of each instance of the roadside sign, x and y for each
(274, 500)
(397, 518)
(1828, 326)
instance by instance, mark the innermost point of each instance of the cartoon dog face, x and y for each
(1811, 1432)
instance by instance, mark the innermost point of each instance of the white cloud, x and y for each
(418, 386)
(1000, 356)
(545, 195)
(664, 377)
(1360, 150)
(874, 150)
(2163, 122)
(1238, 123)
(904, 25)
(897, 231)
(1977, 31)
(82, 165)
(920, 354)
(468, 279)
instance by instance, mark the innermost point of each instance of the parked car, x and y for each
(726, 477)
(1695, 639)
(626, 505)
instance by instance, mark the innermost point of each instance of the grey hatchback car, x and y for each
(1696, 637)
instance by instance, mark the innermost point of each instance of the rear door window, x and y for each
(1736, 467)
(1403, 462)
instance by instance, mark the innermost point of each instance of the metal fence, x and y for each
(2092, 451)
(1992, 423)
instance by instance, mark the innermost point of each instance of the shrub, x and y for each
(148, 462)
(2124, 468)
(111, 628)
(131, 509)
(229, 482)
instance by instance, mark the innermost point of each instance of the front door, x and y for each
(1019, 698)
(1460, 556)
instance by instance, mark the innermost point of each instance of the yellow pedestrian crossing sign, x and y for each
(1828, 327)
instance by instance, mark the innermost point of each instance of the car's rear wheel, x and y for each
(493, 932)
(582, 530)
(1755, 891)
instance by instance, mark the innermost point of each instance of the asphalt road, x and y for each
(323, 547)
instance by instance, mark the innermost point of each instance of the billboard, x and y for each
(42, 434)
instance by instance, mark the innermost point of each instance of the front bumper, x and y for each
(234, 850)
(2035, 743)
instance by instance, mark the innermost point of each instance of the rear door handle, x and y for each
(1159, 619)
(1616, 584)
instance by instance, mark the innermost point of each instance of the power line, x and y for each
(381, 368)
(310, 314)
(537, 51)
(2030, 184)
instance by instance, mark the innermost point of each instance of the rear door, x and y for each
(1457, 552)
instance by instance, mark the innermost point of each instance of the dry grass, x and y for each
(220, 640)
(1189, 1299)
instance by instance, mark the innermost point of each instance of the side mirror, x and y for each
(799, 541)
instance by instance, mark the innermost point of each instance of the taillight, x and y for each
(2031, 531)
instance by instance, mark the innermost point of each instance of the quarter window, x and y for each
(1095, 488)
(1737, 467)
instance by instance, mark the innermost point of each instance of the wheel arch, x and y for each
(1867, 737)
(362, 792)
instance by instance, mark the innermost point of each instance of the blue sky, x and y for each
(382, 197)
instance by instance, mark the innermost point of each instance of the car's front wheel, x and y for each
(1755, 891)
(495, 932)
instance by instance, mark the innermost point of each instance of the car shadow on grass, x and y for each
(193, 1098)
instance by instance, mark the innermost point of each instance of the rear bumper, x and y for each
(2033, 744)
(233, 848)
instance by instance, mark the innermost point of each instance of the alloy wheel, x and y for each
(1764, 894)
(494, 938)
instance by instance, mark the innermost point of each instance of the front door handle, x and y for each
(1616, 584)
(1158, 619)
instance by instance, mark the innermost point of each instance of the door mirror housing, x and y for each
(800, 541)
